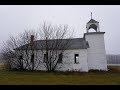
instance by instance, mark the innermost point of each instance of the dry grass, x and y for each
(2, 66)
(60, 78)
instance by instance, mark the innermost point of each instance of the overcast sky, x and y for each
(14, 19)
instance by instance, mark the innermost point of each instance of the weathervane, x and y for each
(91, 15)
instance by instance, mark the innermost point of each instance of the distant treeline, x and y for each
(113, 59)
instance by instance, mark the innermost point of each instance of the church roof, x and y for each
(74, 43)
(93, 21)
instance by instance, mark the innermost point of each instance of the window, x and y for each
(45, 57)
(60, 58)
(76, 58)
(20, 57)
(32, 58)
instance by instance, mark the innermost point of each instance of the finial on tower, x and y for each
(92, 24)
(91, 15)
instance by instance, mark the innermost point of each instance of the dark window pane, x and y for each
(32, 58)
(45, 57)
(20, 57)
(76, 58)
(60, 58)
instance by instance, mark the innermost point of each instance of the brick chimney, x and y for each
(32, 38)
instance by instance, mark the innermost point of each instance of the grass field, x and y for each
(51, 78)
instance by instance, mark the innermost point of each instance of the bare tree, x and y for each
(54, 41)
(17, 58)
(22, 52)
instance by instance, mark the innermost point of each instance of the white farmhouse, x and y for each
(84, 53)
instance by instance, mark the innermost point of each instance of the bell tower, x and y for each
(96, 54)
(92, 24)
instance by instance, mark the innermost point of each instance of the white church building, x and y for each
(87, 53)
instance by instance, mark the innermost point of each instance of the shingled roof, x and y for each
(93, 21)
(74, 43)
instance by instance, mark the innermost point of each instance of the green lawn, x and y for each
(58, 78)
